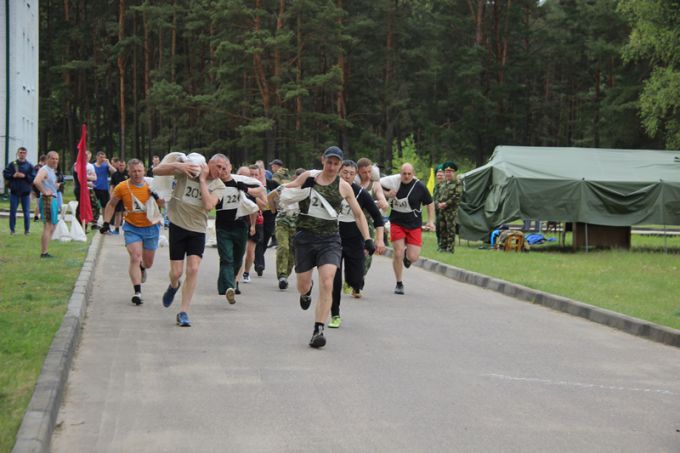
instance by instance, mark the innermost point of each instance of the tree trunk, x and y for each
(341, 94)
(173, 52)
(477, 8)
(596, 118)
(147, 85)
(135, 97)
(263, 87)
(388, 85)
(298, 74)
(121, 76)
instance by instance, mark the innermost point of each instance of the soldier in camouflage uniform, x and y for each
(280, 173)
(450, 194)
(286, 220)
(436, 197)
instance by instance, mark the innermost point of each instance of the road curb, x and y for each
(628, 324)
(35, 432)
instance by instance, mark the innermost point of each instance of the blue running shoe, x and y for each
(183, 319)
(169, 294)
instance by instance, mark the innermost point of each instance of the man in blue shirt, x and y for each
(19, 174)
(103, 168)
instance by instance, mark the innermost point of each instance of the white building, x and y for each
(19, 25)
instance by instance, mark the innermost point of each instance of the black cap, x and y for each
(334, 151)
(276, 162)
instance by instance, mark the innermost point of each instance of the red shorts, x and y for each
(412, 236)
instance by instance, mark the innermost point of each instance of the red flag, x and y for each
(81, 168)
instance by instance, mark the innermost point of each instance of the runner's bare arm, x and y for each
(175, 168)
(110, 207)
(379, 241)
(209, 200)
(297, 182)
(37, 182)
(380, 196)
(430, 217)
(272, 198)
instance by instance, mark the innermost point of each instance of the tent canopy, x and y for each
(597, 186)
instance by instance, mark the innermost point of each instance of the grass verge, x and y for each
(34, 294)
(638, 283)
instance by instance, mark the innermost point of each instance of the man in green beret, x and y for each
(436, 196)
(450, 194)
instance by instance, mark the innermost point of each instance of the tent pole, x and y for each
(665, 240)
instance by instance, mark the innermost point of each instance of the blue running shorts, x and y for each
(147, 235)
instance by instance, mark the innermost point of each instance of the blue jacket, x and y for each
(19, 186)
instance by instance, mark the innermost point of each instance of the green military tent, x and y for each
(613, 187)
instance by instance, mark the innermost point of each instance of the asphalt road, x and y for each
(447, 367)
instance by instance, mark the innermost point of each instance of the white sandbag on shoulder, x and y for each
(391, 182)
(247, 180)
(246, 206)
(162, 185)
(289, 196)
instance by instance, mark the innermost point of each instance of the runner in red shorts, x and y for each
(406, 221)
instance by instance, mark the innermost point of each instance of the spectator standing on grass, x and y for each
(102, 168)
(437, 197)
(19, 177)
(35, 193)
(50, 200)
(449, 199)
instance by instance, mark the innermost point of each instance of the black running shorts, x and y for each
(313, 250)
(184, 243)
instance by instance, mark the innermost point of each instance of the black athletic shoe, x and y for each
(399, 289)
(407, 263)
(306, 299)
(283, 283)
(236, 290)
(137, 299)
(259, 271)
(318, 340)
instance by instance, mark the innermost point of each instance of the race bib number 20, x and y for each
(192, 193)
